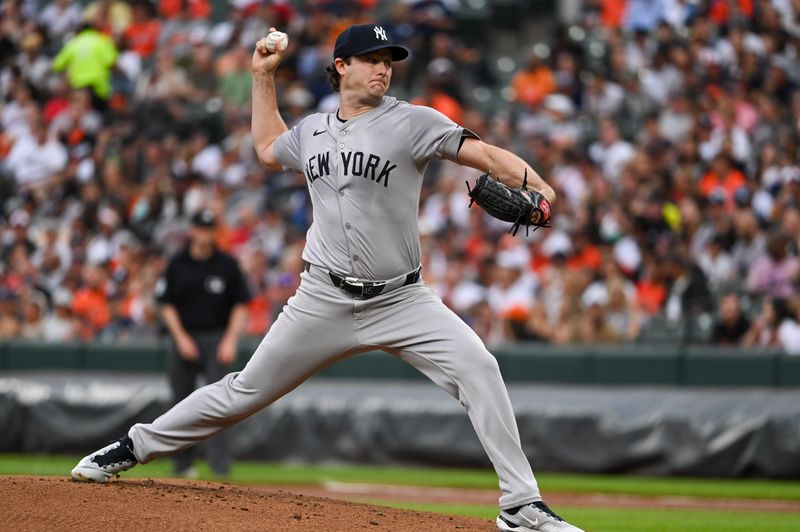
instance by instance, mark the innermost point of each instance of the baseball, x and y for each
(277, 41)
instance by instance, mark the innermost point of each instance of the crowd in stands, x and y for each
(670, 130)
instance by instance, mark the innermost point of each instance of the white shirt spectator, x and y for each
(740, 144)
(443, 207)
(607, 102)
(789, 336)
(660, 83)
(518, 284)
(466, 294)
(720, 268)
(613, 158)
(520, 294)
(208, 162)
(571, 180)
(60, 18)
(14, 120)
(675, 126)
(34, 160)
(676, 12)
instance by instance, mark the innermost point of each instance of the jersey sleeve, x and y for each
(434, 136)
(287, 148)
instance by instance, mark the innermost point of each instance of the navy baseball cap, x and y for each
(364, 38)
(204, 218)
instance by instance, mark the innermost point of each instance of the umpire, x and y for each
(203, 304)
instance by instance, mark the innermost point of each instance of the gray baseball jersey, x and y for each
(365, 176)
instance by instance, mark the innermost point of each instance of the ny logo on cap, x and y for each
(380, 33)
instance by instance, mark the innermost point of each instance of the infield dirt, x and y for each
(57, 504)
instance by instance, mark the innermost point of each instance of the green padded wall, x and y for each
(714, 366)
(544, 363)
(630, 364)
(126, 357)
(30, 355)
(789, 370)
(636, 364)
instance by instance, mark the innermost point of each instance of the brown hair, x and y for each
(334, 78)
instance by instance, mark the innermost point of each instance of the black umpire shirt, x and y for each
(203, 291)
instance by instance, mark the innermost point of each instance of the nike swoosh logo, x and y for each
(318, 132)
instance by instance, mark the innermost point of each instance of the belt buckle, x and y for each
(354, 282)
(367, 288)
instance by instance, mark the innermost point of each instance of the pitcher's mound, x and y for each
(52, 503)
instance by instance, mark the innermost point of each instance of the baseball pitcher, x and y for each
(362, 286)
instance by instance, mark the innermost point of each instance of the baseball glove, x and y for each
(519, 206)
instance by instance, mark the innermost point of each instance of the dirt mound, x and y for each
(51, 503)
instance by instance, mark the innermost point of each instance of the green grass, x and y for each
(637, 520)
(267, 473)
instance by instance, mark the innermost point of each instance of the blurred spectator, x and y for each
(789, 329)
(90, 303)
(111, 17)
(60, 18)
(141, 36)
(643, 15)
(623, 310)
(723, 178)
(731, 324)
(235, 80)
(593, 325)
(32, 323)
(60, 325)
(602, 97)
(611, 152)
(775, 274)
(88, 58)
(717, 264)
(36, 158)
(536, 80)
(10, 324)
(33, 64)
(776, 326)
(689, 294)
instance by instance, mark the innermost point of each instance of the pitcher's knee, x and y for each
(238, 399)
(482, 365)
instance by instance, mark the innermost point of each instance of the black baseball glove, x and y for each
(519, 206)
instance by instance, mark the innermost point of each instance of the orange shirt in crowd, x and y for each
(732, 181)
(587, 257)
(720, 13)
(258, 316)
(612, 12)
(539, 262)
(531, 87)
(198, 9)
(225, 238)
(444, 103)
(650, 296)
(93, 306)
(142, 37)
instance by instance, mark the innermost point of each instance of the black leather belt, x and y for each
(362, 289)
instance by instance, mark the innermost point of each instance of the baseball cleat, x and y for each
(533, 517)
(104, 464)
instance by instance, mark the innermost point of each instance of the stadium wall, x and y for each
(629, 364)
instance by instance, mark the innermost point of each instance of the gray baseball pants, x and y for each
(321, 325)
